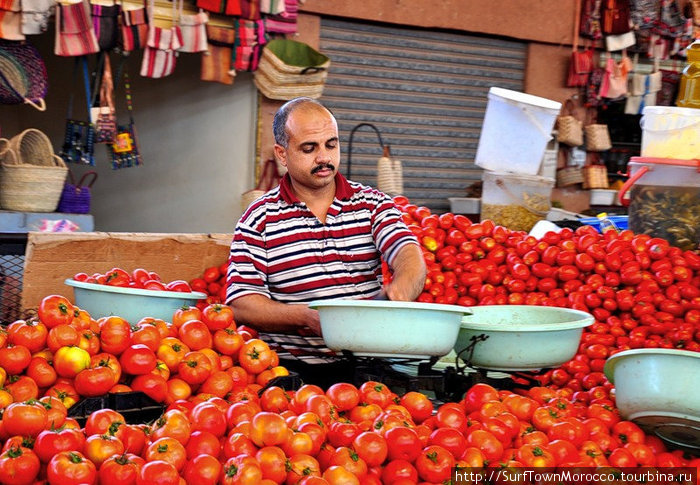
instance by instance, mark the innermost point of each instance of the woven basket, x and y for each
(31, 188)
(595, 177)
(33, 147)
(289, 69)
(6, 153)
(249, 196)
(570, 131)
(597, 138)
(569, 176)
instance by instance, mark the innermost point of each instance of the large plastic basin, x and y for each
(132, 304)
(520, 337)
(658, 389)
(379, 328)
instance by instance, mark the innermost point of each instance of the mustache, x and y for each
(317, 168)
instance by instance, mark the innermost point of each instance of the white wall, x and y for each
(197, 140)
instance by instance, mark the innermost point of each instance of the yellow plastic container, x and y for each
(689, 87)
(670, 132)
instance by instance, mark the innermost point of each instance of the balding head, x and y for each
(279, 123)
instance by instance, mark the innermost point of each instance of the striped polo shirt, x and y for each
(281, 250)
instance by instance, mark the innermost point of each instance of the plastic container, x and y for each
(515, 201)
(520, 337)
(132, 304)
(465, 205)
(664, 199)
(621, 222)
(603, 197)
(657, 388)
(516, 129)
(670, 132)
(689, 86)
(374, 328)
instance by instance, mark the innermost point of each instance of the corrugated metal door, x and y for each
(426, 93)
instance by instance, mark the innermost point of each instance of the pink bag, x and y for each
(614, 83)
(75, 34)
(11, 20)
(161, 51)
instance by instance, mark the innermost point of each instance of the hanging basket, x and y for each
(33, 147)
(595, 177)
(289, 69)
(569, 176)
(31, 188)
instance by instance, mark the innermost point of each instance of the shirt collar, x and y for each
(343, 189)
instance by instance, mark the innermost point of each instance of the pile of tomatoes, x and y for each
(346, 435)
(213, 283)
(643, 292)
(64, 355)
(138, 278)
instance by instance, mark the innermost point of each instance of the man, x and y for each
(315, 236)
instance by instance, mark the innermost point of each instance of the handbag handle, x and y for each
(89, 173)
(577, 22)
(312, 70)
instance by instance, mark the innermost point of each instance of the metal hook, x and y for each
(352, 133)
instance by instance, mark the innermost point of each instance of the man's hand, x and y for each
(409, 274)
(261, 313)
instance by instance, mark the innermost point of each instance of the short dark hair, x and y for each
(279, 122)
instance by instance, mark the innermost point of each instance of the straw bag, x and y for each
(595, 177)
(568, 176)
(31, 188)
(389, 174)
(569, 128)
(289, 69)
(597, 134)
(269, 179)
(75, 198)
(32, 147)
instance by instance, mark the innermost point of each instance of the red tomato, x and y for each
(18, 466)
(55, 310)
(71, 468)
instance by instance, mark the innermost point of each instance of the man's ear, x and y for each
(281, 154)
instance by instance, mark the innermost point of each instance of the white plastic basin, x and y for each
(132, 304)
(379, 328)
(658, 389)
(521, 337)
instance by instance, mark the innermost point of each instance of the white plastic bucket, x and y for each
(516, 129)
(670, 132)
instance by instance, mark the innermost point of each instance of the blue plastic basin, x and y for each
(520, 337)
(380, 328)
(132, 304)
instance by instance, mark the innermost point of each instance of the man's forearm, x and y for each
(270, 316)
(409, 274)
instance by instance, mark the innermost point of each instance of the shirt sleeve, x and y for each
(247, 269)
(390, 232)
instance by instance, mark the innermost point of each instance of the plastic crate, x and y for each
(136, 407)
(619, 221)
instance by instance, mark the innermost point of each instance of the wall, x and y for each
(197, 140)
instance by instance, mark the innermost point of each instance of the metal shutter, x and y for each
(425, 91)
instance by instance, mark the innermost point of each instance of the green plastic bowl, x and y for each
(520, 337)
(382, 328)
(658, 389)
(132, 304)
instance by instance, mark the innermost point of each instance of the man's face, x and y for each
(313, 153)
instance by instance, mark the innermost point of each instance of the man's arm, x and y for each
(261, 313)
(409, 274)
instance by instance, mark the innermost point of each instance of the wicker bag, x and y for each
(33, 147)
(389, 174)
(569, 128)
(597, 138)
(289, 69)
(569, 176)
(31, 188)
(595, 177)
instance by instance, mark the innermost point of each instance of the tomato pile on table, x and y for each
(224, 423)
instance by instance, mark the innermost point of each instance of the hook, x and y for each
(352, 133)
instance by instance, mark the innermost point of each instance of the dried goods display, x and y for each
(672, 213)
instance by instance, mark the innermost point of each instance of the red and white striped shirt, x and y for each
(281, 250)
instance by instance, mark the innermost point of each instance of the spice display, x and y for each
(515, 216)
(671, 213)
